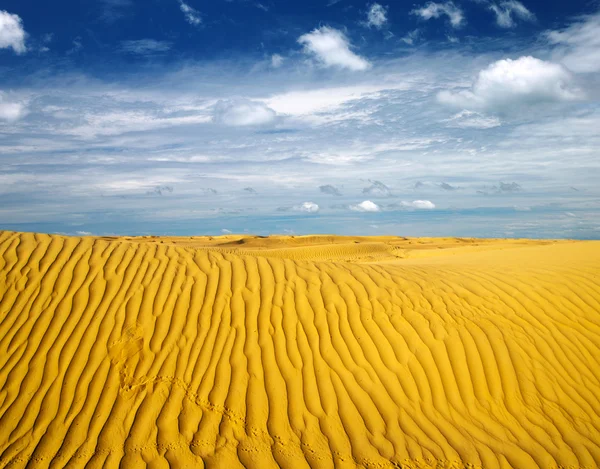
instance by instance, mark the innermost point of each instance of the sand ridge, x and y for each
(173, 352)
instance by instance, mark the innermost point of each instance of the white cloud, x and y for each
(508, 83)
(376, 16)
(366, 206)
(332, 48)
(241, 112)
(466, 119)
(504, 13)
(411, 37)
(420, 204)
(83, 233)
(12, 33)
(225, 231)
(308, 207)
(11, 111)
(579, 44)
(276, 60)
(145, 46)
(192, 15)
(436, 10)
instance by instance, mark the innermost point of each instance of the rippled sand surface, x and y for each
(298, 352)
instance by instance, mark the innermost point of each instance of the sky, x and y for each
(473, 118)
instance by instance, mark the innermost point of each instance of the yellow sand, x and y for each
(298, 352)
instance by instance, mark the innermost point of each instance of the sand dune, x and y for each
(307, 352)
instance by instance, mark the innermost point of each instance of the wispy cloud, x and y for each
(145, 46)
(332, 48)
(192, 15)
(472, 120)
(331, 190)
(506, 12)
(376, 16)
(277, 60)
(243, 112)
(113, 10)
(12, 34)
(579, 44)
(436, 10)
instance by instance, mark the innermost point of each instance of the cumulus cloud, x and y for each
(192, 15)
(377, 188)
(331, 47)
(508, 83)
(11, 111)
(506, 12)
(578, 46)
(308, 207)
(376, 16)
(145, 46)
(437, 10)
(242, 112)
(419, 204)
(12, 33)
(329, 189)
(366, 206)
(466, 119)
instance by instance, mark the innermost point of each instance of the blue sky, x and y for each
(464, 118)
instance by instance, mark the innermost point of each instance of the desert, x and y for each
(298, 352)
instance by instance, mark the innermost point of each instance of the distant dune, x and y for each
(298, 352)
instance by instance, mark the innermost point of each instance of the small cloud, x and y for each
(262, 7)
(114, 9)
(225, 231)
(366, 206)
(160, 190)
(453, 39)
(506, 10)
(331, 47)
(502, 188)
(208, 191)
(250, 190)
(308, 207)
(242, 112)
(77, 46)
(448, 187)
(11, 111)
(145, 46)
(466, 119)
(419, 204)
(507, 83)
(411, 37)
(277, 60)
(83, 233)
(329, 189)
(377, 188)
(418, 185)
(437, 10)
(192, 15)
(376, 16)
(12, 34)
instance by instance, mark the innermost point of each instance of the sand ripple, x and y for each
(117, 353)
